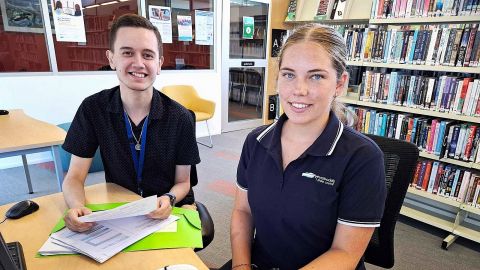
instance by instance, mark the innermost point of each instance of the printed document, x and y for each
(136, 208)
(107, 237)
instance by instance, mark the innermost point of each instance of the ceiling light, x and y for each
(108, 3)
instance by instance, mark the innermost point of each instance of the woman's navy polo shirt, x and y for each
(99, 122)
(339, 179)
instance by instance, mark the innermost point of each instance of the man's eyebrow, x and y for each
(126, 48)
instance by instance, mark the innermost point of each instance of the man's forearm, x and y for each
(180, 190)
(74, 193)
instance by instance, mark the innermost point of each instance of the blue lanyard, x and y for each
(137, 161)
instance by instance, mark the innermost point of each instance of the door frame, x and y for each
(228, 63)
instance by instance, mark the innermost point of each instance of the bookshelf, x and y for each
(458, 218)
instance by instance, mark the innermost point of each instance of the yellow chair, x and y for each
(189, 98)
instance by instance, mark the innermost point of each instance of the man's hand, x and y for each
(164, 208)
(72, 222)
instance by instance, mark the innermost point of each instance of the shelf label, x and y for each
(248, 63)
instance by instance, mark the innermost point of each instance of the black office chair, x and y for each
(208, 228)
(400, 161)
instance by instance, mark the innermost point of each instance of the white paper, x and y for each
(203, 27)
(109, 237)
(172, 227)
(161, 17)
(68, 20)
(184, 28)
(135, 208)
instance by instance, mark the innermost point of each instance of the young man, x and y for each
(146, 140)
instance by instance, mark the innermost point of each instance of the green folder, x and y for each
(188, 234)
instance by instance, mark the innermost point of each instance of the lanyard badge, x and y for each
(138, 158)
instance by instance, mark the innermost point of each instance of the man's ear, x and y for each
(342, 84)
(160, 63)
(109, 55)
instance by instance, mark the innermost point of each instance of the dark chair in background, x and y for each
(208, 229)
(400, 161)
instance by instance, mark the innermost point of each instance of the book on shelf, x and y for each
(423, 8)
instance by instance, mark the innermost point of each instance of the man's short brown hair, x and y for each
(134, 20)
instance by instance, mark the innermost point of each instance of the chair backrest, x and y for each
(400, 161)
(183, 94)
(97, 163)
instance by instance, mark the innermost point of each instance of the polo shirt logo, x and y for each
(320, 179)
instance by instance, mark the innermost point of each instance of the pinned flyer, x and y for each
(68, 20)
(248, 27)
(203, 27)
(136, 208)
(184, 28)
(161, 17)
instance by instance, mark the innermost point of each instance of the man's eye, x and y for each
(148, 56)
(127, 53)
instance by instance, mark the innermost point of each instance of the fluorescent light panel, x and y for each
(108, 3)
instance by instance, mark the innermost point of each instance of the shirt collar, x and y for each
(324, 145)
(157, 107)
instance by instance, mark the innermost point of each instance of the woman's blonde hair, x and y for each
(333, 43)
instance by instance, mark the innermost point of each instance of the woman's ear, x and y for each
(342, 84)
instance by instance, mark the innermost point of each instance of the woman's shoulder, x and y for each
(356, 141)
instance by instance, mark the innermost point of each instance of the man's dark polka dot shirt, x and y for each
(99, 122)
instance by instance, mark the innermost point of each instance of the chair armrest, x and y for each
(203, 105)
(208, 229)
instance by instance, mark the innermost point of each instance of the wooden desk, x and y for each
(33, 230)
(21, 135)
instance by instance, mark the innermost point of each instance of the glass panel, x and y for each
(75, 56)
(245, 93)
(22, 37)
(186, 54)
(245, 42)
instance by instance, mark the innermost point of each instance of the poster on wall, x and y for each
(248, 27)
(203, 27)
(161, 17)
(68, 20)
(184, 28)
(22, 16)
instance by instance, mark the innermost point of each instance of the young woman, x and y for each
(310, 190)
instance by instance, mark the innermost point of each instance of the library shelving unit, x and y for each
(457, 218)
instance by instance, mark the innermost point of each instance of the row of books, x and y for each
(305, 10)
(442, 138)
(446, 45)
(436, 92)
(423, 8)
(448, 181)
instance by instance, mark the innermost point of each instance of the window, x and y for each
(98, 16)
(22, 37)
(181, 49)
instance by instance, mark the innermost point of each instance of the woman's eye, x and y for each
(317, 77)
(288, 75)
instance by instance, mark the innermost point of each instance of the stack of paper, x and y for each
(114, 230)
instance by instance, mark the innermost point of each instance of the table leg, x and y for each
(58, 165)
(27, 174)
